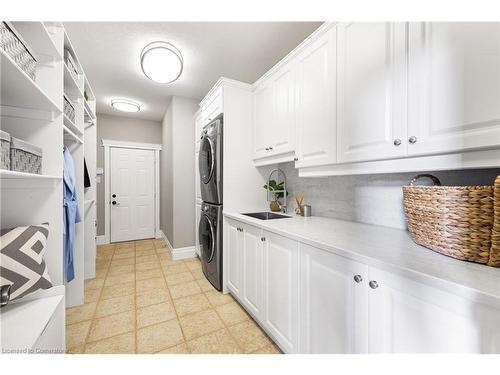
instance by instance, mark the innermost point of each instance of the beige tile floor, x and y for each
(142, 301)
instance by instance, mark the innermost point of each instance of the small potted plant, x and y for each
(277, 193)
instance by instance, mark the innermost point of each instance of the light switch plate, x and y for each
(99, 170)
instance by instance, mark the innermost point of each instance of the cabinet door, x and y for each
(372, 91)
(252, 269)
(454, 86)
(213, 107)
(284, 116)
(234, 257)
(263, 119)
(410, 317)
(333, 306)
(198, 125)
(281, 290)
(316, 102)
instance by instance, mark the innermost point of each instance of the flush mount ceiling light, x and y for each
(161, 62)
(125, 105)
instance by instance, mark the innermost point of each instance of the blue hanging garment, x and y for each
(71, 214)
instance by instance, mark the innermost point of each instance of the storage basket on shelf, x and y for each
(13, 44)
(69, 110)
(70, 63)
(462, 222)
(5, 150)
(25, 157)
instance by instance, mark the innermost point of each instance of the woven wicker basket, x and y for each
(462, 222)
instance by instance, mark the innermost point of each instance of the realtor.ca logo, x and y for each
(32, 351)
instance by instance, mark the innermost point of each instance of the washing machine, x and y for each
(210, 241)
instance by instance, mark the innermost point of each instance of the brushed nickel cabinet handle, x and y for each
(358, 278)
(373, 284)
(397, 142)
(412, 139)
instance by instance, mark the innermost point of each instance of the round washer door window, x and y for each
(206, 160)
(207, 239)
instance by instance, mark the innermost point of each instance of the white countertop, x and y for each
(390, 249)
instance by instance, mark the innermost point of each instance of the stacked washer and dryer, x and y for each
(210, 225)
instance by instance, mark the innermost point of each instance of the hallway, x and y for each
(142, 301)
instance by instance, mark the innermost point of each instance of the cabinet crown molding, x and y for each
(227, 82)
(291, 55)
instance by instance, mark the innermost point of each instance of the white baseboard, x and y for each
(101, 240)
(164, 238)
(181, 252)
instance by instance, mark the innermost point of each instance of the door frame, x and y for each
(108, 144)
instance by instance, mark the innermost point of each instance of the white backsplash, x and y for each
(372, 199)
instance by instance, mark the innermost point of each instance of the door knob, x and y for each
(114, 195)
(295, 159)
(412, 139)
(263, 239)
(115, 203)
(270, 148)
(358, 278)
(267, 148)
(397, 142)
(373, 284)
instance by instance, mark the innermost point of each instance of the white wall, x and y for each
(120, 129)
(166, 177)
(177, 171)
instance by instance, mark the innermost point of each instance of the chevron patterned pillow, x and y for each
(22, 263)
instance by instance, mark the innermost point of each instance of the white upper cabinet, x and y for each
(263, 119)
(284, 115)
(198, 125)
(211, 106)
(274, 115)
(371, 91)
(316, 101)
(454, 86)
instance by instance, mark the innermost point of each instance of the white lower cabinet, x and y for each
(313, 301)
(332, 304)
(409, 317)
(262, 273)
(234, 259)
(281, 285)
(252, 248)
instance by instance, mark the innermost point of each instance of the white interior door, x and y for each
(132, 194)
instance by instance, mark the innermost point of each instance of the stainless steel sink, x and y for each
(266, 215)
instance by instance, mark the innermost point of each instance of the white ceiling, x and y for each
(109, 53)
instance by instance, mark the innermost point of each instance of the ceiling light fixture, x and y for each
(161, 62)
(125, 105)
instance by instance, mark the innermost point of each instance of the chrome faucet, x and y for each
(282, 206)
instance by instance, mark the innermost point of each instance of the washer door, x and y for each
(207, 239)
(206, 159)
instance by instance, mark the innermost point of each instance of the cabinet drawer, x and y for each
(213, 107)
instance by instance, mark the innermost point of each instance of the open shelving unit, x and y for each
(90, 209)
(32, 110)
